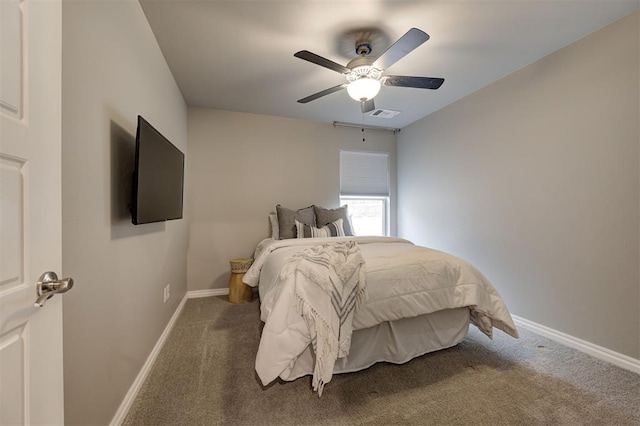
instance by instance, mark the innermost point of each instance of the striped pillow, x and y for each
(333, 229)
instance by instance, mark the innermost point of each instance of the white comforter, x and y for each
(403, 280)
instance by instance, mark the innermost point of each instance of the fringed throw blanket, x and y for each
(329, 285)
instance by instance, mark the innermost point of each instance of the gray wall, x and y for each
(535, 179)
(241, 165)
(113, 70)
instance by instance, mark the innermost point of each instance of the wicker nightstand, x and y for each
(239, 292)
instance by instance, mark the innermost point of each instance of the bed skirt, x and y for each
(396, 342)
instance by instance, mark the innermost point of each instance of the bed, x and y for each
(417, 300)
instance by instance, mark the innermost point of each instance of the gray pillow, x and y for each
(326, 216)
(287, 220)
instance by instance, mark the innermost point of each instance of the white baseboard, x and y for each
(207, 293)
(595, 351)
(146, 368)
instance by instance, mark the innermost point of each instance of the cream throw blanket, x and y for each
(329, 285)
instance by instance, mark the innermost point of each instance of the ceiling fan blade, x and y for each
(323, 62)
(367, 106)
(398, 50)
(322, 93)
(416, 82)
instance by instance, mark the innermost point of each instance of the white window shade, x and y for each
(364, 173)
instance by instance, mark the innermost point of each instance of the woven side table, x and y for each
(239, 292)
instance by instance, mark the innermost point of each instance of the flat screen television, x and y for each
(158, 177)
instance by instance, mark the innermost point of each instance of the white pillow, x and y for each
(333, 229)
(275, 230)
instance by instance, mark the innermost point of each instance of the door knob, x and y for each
(48, 285)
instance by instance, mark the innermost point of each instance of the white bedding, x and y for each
(329, 282)
(403, 280)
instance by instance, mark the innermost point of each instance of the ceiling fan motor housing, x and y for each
(364, 71)
(361, 67)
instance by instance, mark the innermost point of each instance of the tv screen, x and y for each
(158, 177)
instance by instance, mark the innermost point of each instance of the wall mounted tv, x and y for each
(158, 177)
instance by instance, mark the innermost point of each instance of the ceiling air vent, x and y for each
(384, 113)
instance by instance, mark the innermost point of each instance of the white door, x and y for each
(31, 376)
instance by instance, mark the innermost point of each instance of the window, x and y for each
(368, 214)
(364, 187)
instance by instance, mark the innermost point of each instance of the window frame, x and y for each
(344, 199)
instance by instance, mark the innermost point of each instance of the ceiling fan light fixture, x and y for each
(364, 72)
(363, 89)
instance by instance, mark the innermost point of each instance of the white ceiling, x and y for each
(238, 55)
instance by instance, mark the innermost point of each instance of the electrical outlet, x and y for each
(166, 293)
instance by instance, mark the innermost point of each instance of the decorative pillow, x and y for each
(275, 230)
(326, 216)
(287, 220)
(334, 229)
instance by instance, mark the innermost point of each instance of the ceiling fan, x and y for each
(364, 73)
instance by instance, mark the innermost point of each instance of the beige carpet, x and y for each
(204, 376)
